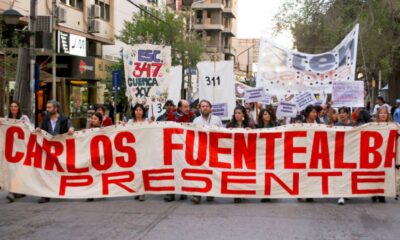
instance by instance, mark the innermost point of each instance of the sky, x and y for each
(255, 18)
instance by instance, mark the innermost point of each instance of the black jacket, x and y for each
(62, 125)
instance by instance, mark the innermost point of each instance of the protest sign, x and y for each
(220, 110)
(146, 67)
(348, 94)
(292, 161)
(304, 99)
(254, 94)
(217, 84)
(286, 109)
(267, 100)
(283, 71)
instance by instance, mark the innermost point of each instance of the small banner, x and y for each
(146, 67)
(254, 94)
(304, 99)
(286, 109)
(348, 94)
(284, 72)
(292, 161)
(217, 84)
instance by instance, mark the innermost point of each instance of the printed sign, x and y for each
(220, 110)
(254, 94)
(286, 109)
(348, 94)
(304, 99)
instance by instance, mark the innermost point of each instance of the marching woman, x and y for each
(15, 113)
(96, 121)
(240, 119)
(383, 116)
(345, 121)
(139, 116)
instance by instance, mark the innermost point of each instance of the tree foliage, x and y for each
(319, 25)
(167, 29)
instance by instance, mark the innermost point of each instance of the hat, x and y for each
(398, 101)
(169, 102)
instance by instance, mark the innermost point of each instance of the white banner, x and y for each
(284, 72)
(348, 94)
(217, 84)
(146, 67)
(174, 79)
(286, 109)
(292, 161)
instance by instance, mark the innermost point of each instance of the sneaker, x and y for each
(264, 200)
(43, 200)
(340, 201)
(374, 199)
(195, 199)
(169, 198)
(18, 195)
(90, 200)
(210, 199)
(10, 197)
(183, 197)
(382, 199)
(309, 199)
(141, 198)
(237, 200)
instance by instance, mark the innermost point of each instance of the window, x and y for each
(104, 10)
(78, 4)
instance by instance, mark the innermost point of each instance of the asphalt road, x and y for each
(125, 218)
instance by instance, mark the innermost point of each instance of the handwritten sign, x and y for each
(304, 99)
(254, 94)
(348, 94)
(286, 109)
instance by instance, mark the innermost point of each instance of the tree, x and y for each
(166, 28)
(319, 25)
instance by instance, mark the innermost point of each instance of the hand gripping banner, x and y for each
(285, 72)
(292, 161)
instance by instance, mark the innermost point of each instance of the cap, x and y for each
(169, 102)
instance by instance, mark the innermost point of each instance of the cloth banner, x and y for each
(285, 72)
(217, 84)
(146, 67)
(292, 161)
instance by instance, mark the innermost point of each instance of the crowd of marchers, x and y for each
(246, 116)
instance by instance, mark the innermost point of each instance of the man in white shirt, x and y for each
(205, 119)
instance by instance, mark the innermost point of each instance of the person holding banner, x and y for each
(96, 121)
(240, 119)
(139, 115)
(206, 118)
(311, 114)
(381, 102)
(107, 121)
(55, 123)
(180, 115)
(15, 113)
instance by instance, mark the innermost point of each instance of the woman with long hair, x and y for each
(266, 119)
(14, 112)
(240, 119)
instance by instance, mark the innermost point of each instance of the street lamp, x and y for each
(11, 17)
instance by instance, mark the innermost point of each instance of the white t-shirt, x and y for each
(377, 106)
(210, 121)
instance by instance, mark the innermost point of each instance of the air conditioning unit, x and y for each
(94, 11)
(61, 15)
(94, 26)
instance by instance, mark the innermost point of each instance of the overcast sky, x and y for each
(255, 18)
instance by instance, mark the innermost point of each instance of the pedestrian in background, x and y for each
(107, 121)
(55, 123)
(169, 106)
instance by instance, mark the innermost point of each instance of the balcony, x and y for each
(230, 31)
(229, 50)
(207, 24)
(214, 4)
(229, 12)
(212, 49)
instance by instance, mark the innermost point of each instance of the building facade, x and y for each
(247, 50)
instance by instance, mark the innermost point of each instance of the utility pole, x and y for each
(54, 42)
(32, 55)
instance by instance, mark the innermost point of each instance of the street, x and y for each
(125, 218)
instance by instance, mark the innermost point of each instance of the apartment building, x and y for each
(247, 51)
(215, 22)
(82, 27)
